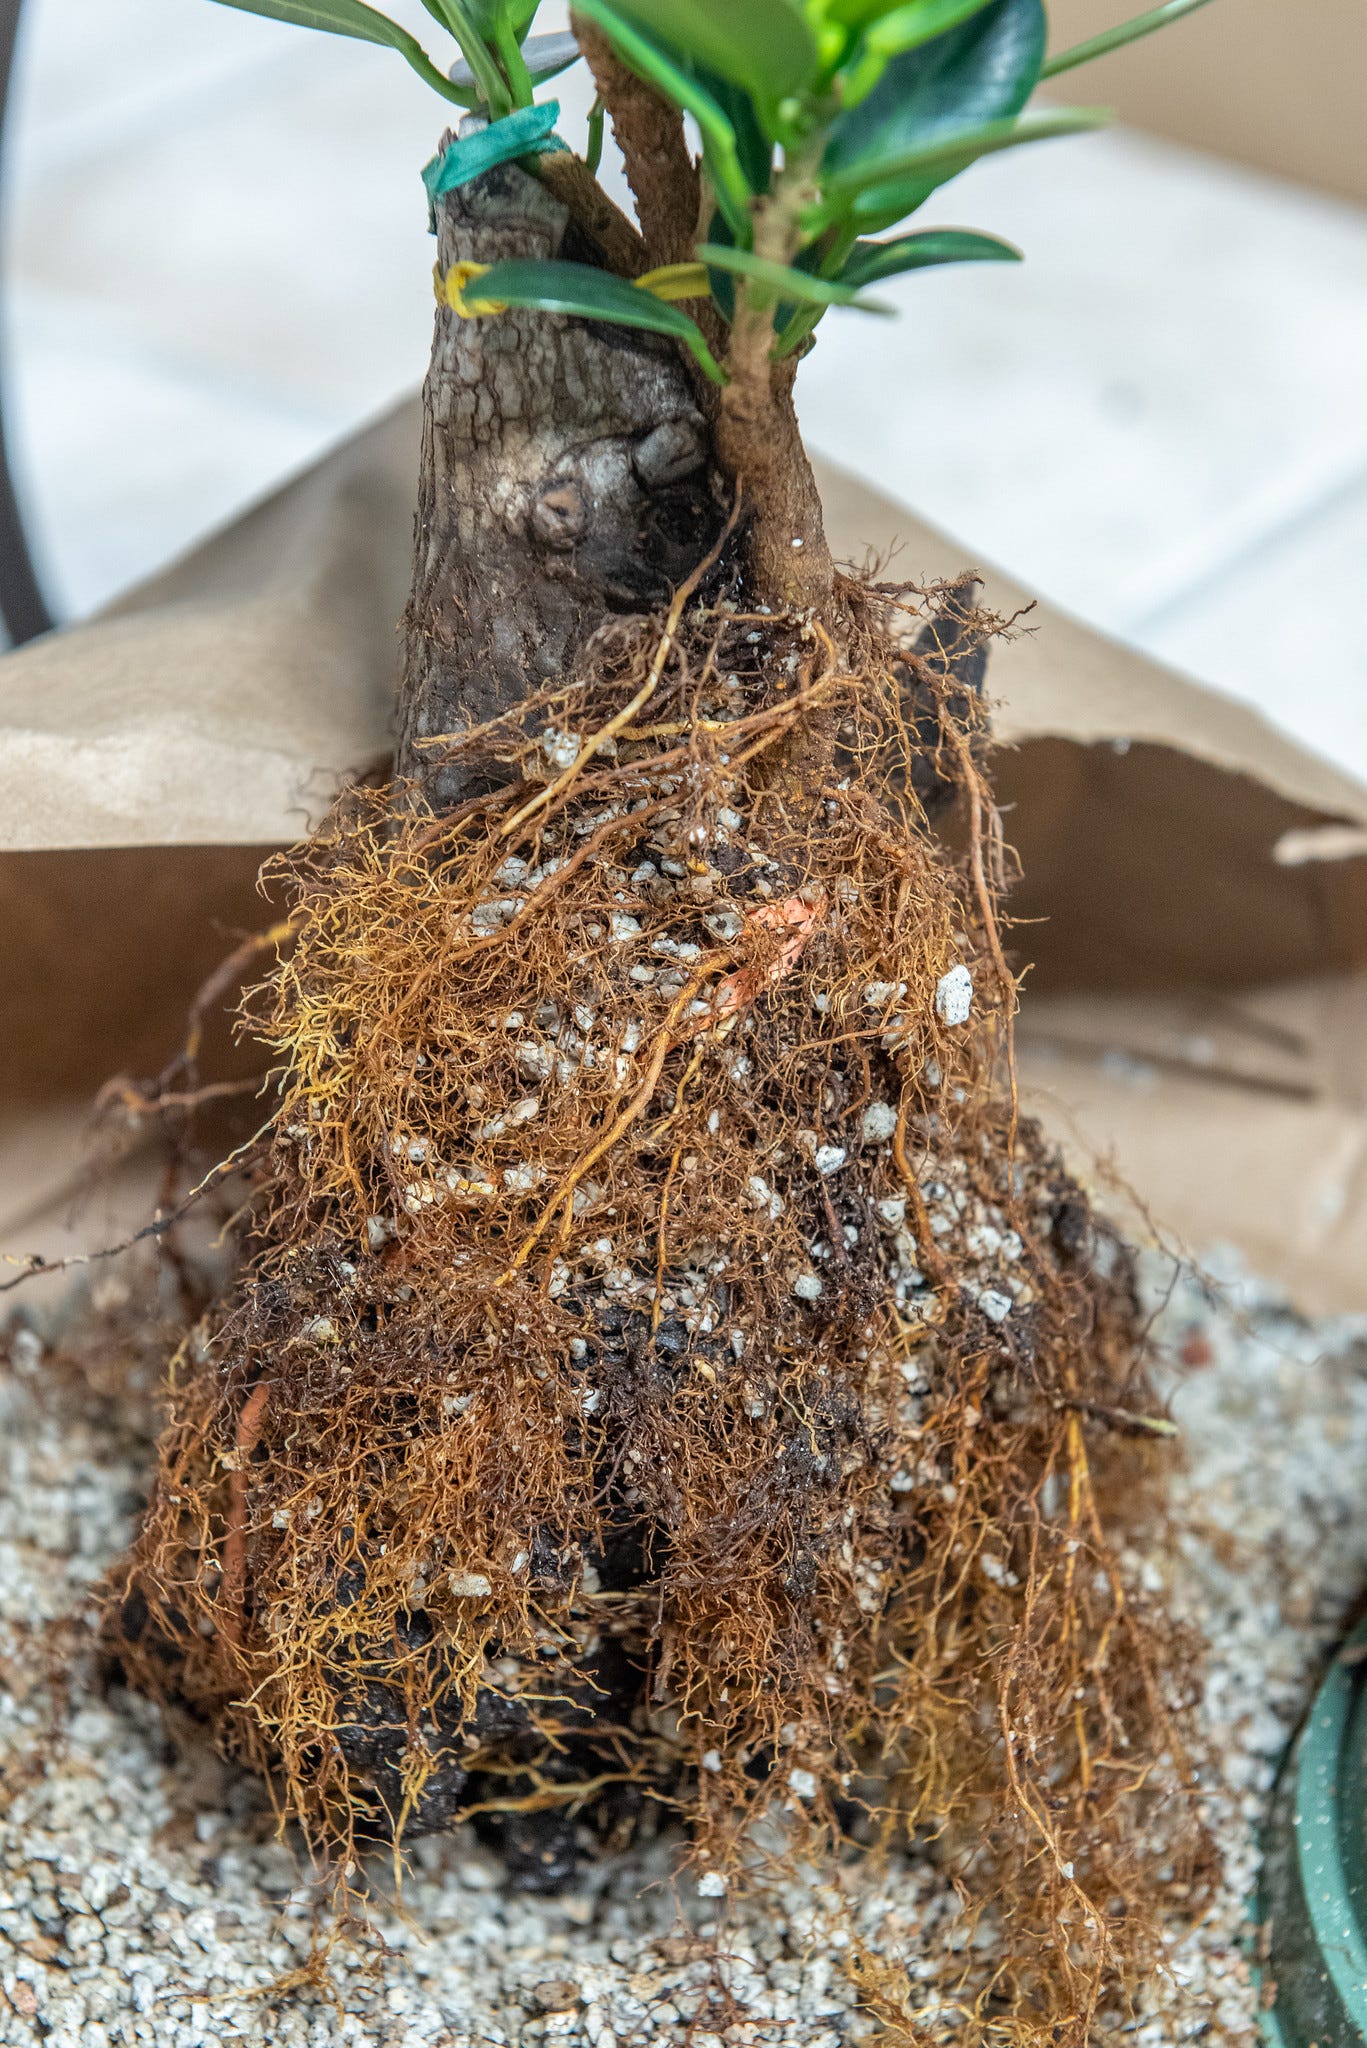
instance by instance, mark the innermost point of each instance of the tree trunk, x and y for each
(566, 473)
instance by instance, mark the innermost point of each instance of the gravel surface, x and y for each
(144, 1899)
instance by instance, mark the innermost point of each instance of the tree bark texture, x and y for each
(566, 473)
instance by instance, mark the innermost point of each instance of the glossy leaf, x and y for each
(765, 46)
(898, 31)
(721, 158)
(366, 24)
(870, 261)
(780, 283)
(982, 71)
(584, 293)
(1117, 38)
(896, 185)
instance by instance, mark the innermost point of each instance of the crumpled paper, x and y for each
(1193, 904)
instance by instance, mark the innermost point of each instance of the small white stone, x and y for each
(829, 1158)
(983, 1240)
(807, 1287)
(711, 1760)
(81, 1930)
(878, 1123)
(560, 748)
(997, 1307)
(712, 1885)
(954, 996)
(469, 1585)
(892, 1210)
(378, 1231)
(803, 1783)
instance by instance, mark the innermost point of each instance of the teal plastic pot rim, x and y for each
(1314, 1887)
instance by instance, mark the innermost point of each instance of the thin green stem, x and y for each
(1117, 38)
(593, 153)
(490, 80)
(514, 64)
(838, 241)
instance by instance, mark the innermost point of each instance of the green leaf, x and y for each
(779, 282)
(352, 18)
(588, 294)
(883, 191)
(764, 46)
(753, 146)
(1117, 38)
(491, 88)
(982, 71)
(721, 158)
(899, 30)
(870, 261)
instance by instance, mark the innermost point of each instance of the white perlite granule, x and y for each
(143, 1899)
(954, 996)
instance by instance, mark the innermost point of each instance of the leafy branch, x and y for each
(823, 124)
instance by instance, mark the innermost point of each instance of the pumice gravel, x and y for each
(145, 1899)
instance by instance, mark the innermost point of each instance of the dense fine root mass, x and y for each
(665, 1375)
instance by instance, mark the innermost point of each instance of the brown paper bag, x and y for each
(1194, 901)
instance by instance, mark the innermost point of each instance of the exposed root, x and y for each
(665, 1368)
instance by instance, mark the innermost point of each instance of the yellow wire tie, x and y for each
(450, 288)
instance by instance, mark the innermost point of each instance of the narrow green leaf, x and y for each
(863, 189)
(721, 158)
(1117, 38)
(984, 70)
(801, 287)
(764, 46)
(352, 18)
(588, 294)
(870, 261)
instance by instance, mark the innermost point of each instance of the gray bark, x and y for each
(566, 473)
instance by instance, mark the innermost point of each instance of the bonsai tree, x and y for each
(665, 1374)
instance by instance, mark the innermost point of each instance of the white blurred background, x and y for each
(217, 266)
